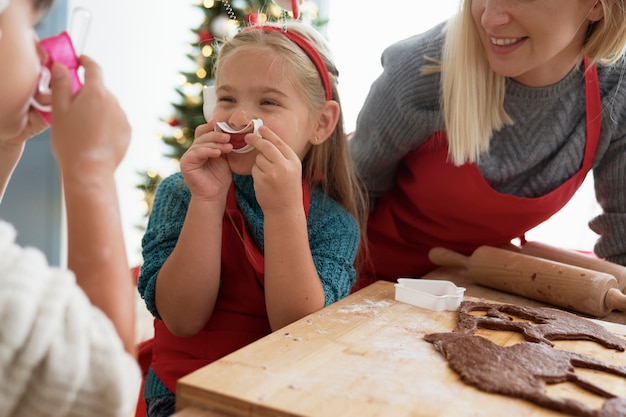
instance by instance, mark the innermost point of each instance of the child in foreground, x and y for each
(66, 338)
(241, 244)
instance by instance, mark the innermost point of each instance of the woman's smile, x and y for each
(500, 45)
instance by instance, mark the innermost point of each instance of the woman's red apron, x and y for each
(435, 203)
(239, 317)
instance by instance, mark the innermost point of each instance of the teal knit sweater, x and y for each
(333, 238)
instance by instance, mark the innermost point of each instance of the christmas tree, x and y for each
(223, 19)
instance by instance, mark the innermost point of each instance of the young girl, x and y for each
(484, 127)
(241, 244)
(66, 337)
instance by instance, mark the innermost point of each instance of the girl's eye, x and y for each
(226, 99)
(268, 103)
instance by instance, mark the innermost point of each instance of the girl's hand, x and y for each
(206, 171)
(277, 172)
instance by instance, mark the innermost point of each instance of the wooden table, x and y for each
(362, 356)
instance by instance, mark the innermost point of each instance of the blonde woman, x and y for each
(484, 126)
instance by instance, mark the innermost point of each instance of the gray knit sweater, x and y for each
(542, 149)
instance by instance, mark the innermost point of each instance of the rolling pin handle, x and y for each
(566, 256)
(447, 257)
(615, 300)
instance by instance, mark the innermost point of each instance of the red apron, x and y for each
(435, 203)
(239, 317)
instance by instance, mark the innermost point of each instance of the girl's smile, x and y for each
(238, 140)
(276, 100)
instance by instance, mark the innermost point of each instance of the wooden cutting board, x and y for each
(365, 356)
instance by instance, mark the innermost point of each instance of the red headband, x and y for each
(307, 48)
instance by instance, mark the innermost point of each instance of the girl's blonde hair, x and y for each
(328, 165)
(472, 94)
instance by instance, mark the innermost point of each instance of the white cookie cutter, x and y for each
(251, 127)
(210, 100)
(431, 294)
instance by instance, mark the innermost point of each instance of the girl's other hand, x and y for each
(277, 172)
(206, 171)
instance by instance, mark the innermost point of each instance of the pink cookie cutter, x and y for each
(60, 49)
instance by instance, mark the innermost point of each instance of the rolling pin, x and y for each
(574, 288)
(542, 250)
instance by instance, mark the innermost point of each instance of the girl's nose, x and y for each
(238, 119)
(495, 13)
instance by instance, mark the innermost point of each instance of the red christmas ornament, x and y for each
(205, 36)
(173, 122)
(253, 18)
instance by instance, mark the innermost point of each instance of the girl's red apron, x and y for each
(239, 316)
(435, 203)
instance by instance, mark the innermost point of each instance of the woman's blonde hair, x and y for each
(328, 165)
(472, 94)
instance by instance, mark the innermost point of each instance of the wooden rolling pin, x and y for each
(572, 287)
(570, 257)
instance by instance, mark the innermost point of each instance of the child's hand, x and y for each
(277, 172)
(90, 132)
(35, 125)
(206, 172)
(12, 146)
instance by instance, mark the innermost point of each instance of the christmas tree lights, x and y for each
(222, 20)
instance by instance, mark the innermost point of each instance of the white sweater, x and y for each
(59, 355)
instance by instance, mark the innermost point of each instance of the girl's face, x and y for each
(20, 65)
(535, 42)
(253, 84)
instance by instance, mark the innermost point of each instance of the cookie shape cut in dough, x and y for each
(526, 369)
(540, 324)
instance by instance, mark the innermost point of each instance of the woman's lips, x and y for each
(504, 41)
(505, 45)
